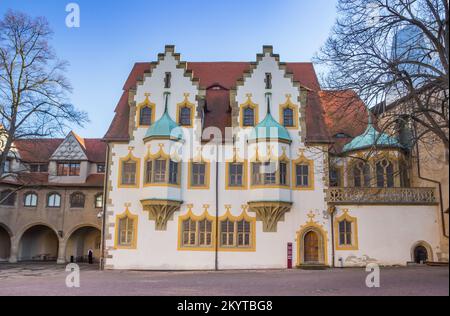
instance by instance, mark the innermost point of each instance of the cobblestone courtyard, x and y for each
(46, 279)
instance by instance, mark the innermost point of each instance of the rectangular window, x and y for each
(189, 233)
(268, 80)
(283, 174)
(243, 234)
(185, 116)
(335, 177)
(71, 169)
(167, 80)
(227, 233)
(126, 231)
(269, 171)
(205, 233)
(101, 168)
(302, 175)
(256, 174)
(345, 233)
(236, 174)
(38, 167)
(148, 171)
(159, 175)
(173, 172)
(129, 173)
(198, 174)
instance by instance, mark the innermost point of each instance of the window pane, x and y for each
(129, 173)
(380, 175)
(249, 117)
(159, 175)
(198, 174)
(288, 117)
(283, 173)
(173, 172)
(390, 175)
(302, 175)
(236, 171)
(256, 174)
(148, 171)
(185, 116)
(146, 116)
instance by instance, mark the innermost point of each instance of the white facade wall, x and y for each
(159, 250)
(387, 235)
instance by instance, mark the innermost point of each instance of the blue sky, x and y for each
(114, 34)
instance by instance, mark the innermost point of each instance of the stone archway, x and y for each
(81, 241)
(38, 243)
(5, 243)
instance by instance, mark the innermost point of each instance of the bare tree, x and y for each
(394, 52)
(33, 88)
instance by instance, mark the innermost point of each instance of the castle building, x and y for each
(51, 200)
(248, 165)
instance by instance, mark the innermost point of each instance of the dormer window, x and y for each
(268, 80)
(167, 80)
(71, 169)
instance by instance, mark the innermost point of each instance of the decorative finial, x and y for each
(228, 208)
(206, 207)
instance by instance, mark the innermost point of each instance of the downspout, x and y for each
(105, 190)
(441, 201)
(333, 250)
(216, 265)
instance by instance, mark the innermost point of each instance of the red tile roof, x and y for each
(40, 150)
(225, 75)
(345, 113)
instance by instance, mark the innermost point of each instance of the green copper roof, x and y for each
(165, 127)
(270, 129)
(372, 138)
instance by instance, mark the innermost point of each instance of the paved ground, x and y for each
(42, 279)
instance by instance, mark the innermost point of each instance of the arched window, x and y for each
(288, 117)
(185, 116)
(77, 200)
(30, 199)
(385, 174)
(99, 201)
(249, 117)
(54, 200)
(145, 117)
(361, 175)
(8, 198)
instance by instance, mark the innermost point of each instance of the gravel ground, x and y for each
(42, 279)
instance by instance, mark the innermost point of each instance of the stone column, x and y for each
(14, 251)
(61, 252)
